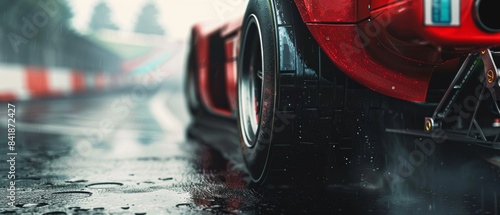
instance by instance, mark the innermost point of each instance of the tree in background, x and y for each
(30, 27)
(46, 14)
(101, 19)
(147, 22)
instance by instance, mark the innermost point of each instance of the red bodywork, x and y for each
(385, 45)
(202, 33)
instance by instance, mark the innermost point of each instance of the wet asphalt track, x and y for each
(143, 163)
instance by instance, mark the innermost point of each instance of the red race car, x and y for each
(320, 89)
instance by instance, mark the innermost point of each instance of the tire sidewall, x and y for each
(257, 157)
(190, 88)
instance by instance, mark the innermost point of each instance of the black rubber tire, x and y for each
(297, 133)
(318, 126)
(257, 157)
(191, 85)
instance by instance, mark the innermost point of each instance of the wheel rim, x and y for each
(251, 83)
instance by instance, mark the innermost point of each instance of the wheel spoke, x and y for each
(259, 74)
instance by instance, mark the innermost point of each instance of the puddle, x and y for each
(55, 213)
(31, 205)
(84, 210)
(104, 185)
(68, 195)
(99, 209)
(182, 205)
(165, 179)
(77, 181)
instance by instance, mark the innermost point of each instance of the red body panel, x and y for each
(393, 52)
(230, 33)
(407, 22)
(202, 33)
(333, 11)
(408, 82)
(231, 69)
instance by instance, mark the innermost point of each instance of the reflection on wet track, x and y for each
(107, 153)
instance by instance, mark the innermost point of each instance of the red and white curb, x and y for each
(28, 82)
(21, 82)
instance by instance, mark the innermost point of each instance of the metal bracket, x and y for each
(469, 111)
(491, 74)
(468, 68)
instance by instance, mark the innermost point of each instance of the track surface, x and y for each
(144, 163)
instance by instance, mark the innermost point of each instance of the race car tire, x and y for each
(190, 85)
(290, 137)
(256, 130)
(309, 123)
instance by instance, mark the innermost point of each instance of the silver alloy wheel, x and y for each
(250, 82)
